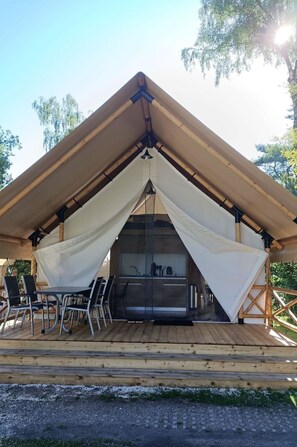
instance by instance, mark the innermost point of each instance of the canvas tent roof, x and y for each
(141, 114)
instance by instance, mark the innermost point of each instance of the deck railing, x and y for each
(283, 306)
(276, 306)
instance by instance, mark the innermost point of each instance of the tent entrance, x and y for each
(155, 272)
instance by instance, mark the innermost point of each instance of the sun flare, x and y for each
(283, 34)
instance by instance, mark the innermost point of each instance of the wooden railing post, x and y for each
(238, 216)
(268, 294)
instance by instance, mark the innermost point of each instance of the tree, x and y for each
(233, 33)
(291, 152)
(8, 143)
(57, 119)
(274, 160)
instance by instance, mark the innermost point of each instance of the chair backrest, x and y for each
(12, 290)
(108, 288)
(30, 286)
(95, 291)
(123, 293)
(102, 289)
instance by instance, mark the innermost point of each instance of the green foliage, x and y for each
(19, 268)
(234, 32)
(284, 275)
(22, 268)
(57, 119)
(274, 159)
(8, 143)
(290, 152)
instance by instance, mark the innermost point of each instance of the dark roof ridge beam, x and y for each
(142, 93)
(149, 141)
(182, 126)
(35, 238)
(238, 214)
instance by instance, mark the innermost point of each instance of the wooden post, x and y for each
(33, 262)
(268, 300)
(61, 231)
(238, 216)
(268, 296)
(34, 238)
(61, 216)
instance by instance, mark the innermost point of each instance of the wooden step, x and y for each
(121, 363)
(174, 348)
(142, 377)
(164, 361)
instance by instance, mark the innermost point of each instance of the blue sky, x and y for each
(90, 48)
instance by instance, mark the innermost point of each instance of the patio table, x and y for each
(60, 292)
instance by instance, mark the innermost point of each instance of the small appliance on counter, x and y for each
(169, 271)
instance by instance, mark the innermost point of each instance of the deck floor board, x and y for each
(147, 332)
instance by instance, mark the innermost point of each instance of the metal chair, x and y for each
(103, 302)
(18, 304)
(86, 308)
(30, 289)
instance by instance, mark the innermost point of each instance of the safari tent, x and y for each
(185, 217)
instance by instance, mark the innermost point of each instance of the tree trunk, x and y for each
(293, 90)
(294, 100)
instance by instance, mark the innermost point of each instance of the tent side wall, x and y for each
(229, 267)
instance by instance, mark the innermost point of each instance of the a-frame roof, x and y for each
(141, 115)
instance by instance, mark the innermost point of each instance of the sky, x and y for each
(91, 48)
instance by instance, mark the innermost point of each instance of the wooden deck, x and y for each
(205, 354)
(147, 332)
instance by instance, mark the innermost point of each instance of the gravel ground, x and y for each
(72, 413)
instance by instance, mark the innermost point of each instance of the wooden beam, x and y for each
(283, 290)
(246, 315)
(238, 239)
(288, 241)
(61, 231)
(33, 262)
(292, 327)
(238, 232)
(268, 292)
(254, 302)
(12, 239)
(218, 156)
(285, 307)
(62, 160)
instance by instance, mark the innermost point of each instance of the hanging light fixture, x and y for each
(146, 155)
(150, 191)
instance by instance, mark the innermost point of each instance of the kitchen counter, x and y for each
(163, 294)
(171, 277)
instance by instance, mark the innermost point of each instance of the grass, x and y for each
(237, 397)
(287, 332)
(15, 442)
